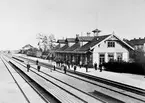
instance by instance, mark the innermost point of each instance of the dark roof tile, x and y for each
(56, 47)
(61, 41)
(85, 38)
(92, 43)
(63, 48)
(70, 39)
(73, 47)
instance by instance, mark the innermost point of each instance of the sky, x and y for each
(22, 20)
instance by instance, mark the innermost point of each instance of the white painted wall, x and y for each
(104, 49)
(126, 56)
(82, 43)
(70, 44)
(61, 45)
(95, 57)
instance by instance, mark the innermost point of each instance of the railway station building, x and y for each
(83, 50)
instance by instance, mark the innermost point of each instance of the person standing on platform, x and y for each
(65, 67)
(38, 68)
(28, 67)
(37, 62)
(54, 66)
(95, 66)
(75, 67)
(100, 67)
(86, 65)
(68, 64)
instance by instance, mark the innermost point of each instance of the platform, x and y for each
(129, 79)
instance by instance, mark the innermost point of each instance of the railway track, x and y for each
(132, 92)
(47, 97)
(26, 98)
(54, 81)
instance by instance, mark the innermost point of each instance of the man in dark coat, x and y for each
(86, 65)
(38, 68)
(95, 66)
(75, 67)
(100, 67)
(37, 62)
(68, 63)
(65, 67)
(28, 67)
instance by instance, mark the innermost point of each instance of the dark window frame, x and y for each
(111, 44)
(111, 56)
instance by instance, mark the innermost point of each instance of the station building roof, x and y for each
(72, 40)
(62, 48)
(73, 47)
(84, 38)
(61, 41)
(92, 43)
(56, 48)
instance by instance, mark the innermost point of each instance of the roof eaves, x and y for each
(103, 39)
(124, 42)
(73, 47)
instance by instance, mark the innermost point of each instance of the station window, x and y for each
(102, 58)
(119, 56)
(111, 44)
(110, 57)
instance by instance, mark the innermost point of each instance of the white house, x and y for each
(110, 48)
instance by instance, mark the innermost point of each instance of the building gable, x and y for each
(112, 38)
(116, 40)
(110, 45)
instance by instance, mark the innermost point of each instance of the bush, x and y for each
(125, 67)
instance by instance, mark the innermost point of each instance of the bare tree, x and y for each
(46, 42)
(51, 41)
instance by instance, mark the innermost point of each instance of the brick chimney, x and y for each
(88, 33)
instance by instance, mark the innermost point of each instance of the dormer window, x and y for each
(111, 44)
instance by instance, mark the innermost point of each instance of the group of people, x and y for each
(38, 66)
(65, 66)
(100, 66)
